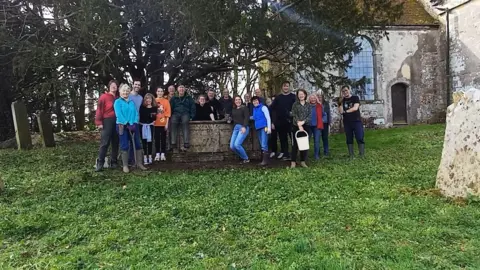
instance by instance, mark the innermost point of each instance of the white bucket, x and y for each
(302, 142)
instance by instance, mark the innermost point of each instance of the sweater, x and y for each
(183, 106)
(241, 116)
(301, 113)
(216, 106)
(202, 113)
(126, 112)
(282, 106)
(227, 105)
(162, 118)
(148, 115)
(105, 108)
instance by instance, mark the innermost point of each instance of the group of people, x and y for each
(134, 122)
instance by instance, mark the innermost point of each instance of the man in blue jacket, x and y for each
(183, 111)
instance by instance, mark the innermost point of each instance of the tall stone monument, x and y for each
(459, 172)
(46, 129)
(22, 129)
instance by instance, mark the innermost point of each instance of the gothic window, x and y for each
(361, 71)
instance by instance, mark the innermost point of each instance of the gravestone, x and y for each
(22, 130)
(46, 129)
(459, 172)
(2, 185)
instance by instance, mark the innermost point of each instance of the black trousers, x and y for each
(272, 142)
(109, 135)
(160, 140)
(284, 130)
(147, 146)
(303, 154)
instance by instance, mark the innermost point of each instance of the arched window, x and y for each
(361, 71)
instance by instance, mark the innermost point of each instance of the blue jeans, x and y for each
(263, 139)
(236, 141)
(125, 139)
(354, 129)
(315, 133)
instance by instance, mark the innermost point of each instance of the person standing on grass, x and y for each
(241, 117)
(282, 107)
(137, 100)
(259, 94)
(302, 114)
(248, 102)
(183, 111)
(272, 140)
(127, 126)
(171, 92)
(349, 108)
(161, 124)
(316, 124)
(203, 111)
(148, 112)
(226, 103)
(326, 119)
(263, 126)
(105, 120)
(213, 102)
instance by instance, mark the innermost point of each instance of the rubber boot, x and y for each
(98, 165)
(361, 150)
(139, 155)
(265, 158)
(350, 151)
(125, 161)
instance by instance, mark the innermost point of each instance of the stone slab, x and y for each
(22, 129)
(46, 129)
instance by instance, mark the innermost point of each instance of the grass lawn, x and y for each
(378, 213)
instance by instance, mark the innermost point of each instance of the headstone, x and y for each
(46, 129)
(22, 130)
(2, 185)
(459, 172)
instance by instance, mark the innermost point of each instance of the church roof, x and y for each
(414, 13)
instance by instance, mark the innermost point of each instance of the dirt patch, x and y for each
(197, 166)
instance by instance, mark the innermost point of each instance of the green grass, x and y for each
(378, 213)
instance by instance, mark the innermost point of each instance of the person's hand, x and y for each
(243, 130)
(269, 131)
(100, 127)
(300, 123)
(131, 128)
(273, 126)
(301, 128)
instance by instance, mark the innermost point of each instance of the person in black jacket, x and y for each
(349, 108)
(204, 111)
(282, 108)
(213, 102)
(148, 114)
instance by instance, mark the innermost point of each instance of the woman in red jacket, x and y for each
(316, 124)
(105, 120)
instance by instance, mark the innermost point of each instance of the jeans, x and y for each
(324, 136)
(315, 133)
(108, 135)
(273, 141)
(304, 153)
(236, 141)
(160, 139)
(125, 138)
(284, 130)
(354, 129)
(263, 139)
(184, 119)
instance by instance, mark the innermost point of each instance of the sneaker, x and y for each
(280, 156)
(272, 154)
(157, 157)
(150, 160)
(162, 157)
(145, 160)
(245, 161)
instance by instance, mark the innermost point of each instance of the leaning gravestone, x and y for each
(22, 130)
(46, 129)
(459, 171)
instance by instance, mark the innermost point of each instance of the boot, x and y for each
(265, 158)
(361, 150)
(350, 150)
(98, 165)
(125, 162)
(139, 155)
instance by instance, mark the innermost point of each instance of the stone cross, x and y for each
(46, 129)
(22, 130)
